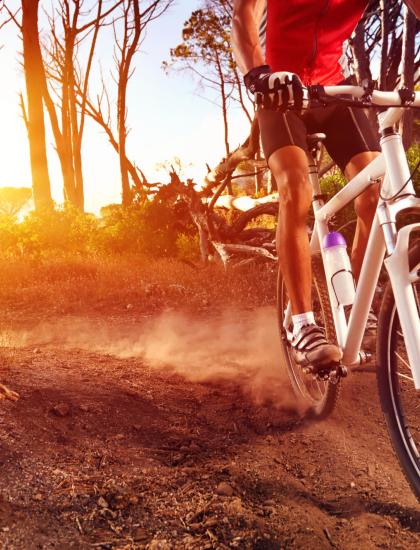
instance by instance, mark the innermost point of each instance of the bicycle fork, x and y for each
(397, 245)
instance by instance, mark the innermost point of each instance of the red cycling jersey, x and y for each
(306, 36)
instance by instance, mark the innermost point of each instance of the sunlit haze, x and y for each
(169, 116)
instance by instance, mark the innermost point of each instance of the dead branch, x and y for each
(246, 151)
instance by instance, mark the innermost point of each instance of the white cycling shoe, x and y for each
(310, 348)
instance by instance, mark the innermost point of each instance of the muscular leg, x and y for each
(365, 207)
(289, 166)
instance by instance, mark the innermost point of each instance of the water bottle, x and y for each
(338, 268)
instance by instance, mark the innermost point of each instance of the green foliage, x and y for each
(154, 228)
(149, 228)
(14, 199)
(188, 247)
(413, 155)
(206, 39)
(332, 183)
(343, 220)
(65, 229)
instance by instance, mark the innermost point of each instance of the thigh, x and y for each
(279, 130)
(349, 133)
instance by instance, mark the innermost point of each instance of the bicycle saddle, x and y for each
(314, 139)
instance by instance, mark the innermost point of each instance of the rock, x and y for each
(352, 484)
(133, 500)
(102, 503)
(194, 526)
(140, 535)
(84, 408)
(224, 489)
(38, 497)
(129, 306)
(159, 544)
(37, 350)
(235, 507)
(259, 523)
(211, 522)
(61, 409)
(371, 470)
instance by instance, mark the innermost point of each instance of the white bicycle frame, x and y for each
(384, 238)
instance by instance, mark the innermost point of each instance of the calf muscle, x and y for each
(290, 169)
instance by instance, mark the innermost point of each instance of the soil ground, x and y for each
(179, 431)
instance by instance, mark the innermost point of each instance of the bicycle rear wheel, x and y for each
(321, 396)
(400, 401)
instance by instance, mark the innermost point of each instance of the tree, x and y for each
(128, 29)
(407, 72)
(68, 82)
(206, 52)
(134, 22)
(387, 33)
(383, 18)
(34, 115)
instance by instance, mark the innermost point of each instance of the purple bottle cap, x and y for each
(334, 239)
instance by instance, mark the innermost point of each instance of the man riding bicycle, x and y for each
(304, 46)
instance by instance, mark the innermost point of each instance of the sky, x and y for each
(169, 115)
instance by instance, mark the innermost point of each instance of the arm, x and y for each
(245, 39)
(414, 6)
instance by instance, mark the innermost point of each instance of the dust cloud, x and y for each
(236, 346)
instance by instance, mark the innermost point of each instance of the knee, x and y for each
(365, 204)
(294, 191)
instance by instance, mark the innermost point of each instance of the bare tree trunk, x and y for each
(76, 142)
(222, 86)
(240, 94)
(122, 135)
(63, 72)
(33, 68)
(132, 31)
(360, 56)
(407, 76)
(385, 28)
(258, 172)
(66, 126)
(362, 64)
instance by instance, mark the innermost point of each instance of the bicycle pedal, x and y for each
(331, 375)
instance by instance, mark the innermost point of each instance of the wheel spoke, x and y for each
(403, 361)
(406, 377)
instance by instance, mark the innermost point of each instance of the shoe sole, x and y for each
(327, 357)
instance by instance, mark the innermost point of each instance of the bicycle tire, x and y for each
(323, 406)
(393, 385)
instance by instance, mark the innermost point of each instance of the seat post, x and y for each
(314, 142)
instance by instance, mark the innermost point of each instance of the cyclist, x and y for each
(303, 46)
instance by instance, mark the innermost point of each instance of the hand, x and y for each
(267, 86)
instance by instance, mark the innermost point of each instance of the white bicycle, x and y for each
(390, 243)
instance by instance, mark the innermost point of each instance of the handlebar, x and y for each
(360, 97)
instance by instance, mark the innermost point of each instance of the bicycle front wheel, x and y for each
(400, 401)
(319, 395)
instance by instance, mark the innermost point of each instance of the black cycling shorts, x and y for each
(348, 131)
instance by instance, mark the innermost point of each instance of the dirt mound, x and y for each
(181, 432)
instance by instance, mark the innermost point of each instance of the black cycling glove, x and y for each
(277, 90)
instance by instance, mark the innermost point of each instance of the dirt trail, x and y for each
(180, 432)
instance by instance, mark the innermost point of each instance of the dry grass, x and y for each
(75, 285)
